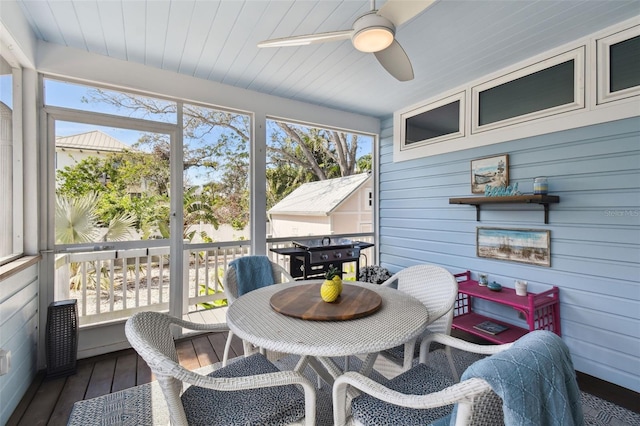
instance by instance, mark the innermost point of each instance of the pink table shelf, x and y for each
(541, 310)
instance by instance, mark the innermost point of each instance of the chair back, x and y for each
(434, 286)
(230, 280)
(149, 333)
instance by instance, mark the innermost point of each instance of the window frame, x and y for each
(403, 116)
(603, 50)
(577, 55)
(17, 173)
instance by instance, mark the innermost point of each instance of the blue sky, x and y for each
(68, 95)
(5, 90)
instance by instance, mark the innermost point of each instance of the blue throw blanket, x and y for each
(252, 272)
(535, 379)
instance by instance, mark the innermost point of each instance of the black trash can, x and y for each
(61, 339)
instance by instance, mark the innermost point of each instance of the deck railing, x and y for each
(112, 284)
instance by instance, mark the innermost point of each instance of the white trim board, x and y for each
(592, 113)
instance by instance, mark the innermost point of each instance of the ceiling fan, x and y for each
(373, 32)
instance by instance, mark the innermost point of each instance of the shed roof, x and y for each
(319, 198)
(93, 141)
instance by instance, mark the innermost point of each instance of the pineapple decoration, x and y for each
(332, 285)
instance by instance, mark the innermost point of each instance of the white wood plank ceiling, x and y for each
(450, 43)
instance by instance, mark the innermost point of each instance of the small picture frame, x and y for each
(492, 171)
(532, 246)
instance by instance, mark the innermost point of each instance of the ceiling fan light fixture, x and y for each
(372, 33)
(371, 40)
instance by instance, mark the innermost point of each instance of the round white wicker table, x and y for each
(400, 319)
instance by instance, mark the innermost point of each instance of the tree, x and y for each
(209, 135)
(215, 145)
(326, 153)
(231, 192)
(131, 183)
(197, 209)
(299, 155)
(77, 222)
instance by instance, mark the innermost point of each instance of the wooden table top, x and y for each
(304, 302)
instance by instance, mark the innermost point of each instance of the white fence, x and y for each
(112, 284)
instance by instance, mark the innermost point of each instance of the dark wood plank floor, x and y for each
(49, 402)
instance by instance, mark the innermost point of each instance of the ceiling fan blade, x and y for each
(400, 11)
(307, 39)
(396, 62)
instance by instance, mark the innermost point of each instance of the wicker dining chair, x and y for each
(230, 284)
(437, 288)
(421, 395)
(530, 381)
(250, 391)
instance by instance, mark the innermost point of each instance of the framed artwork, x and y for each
(531, 246)
(492, 171)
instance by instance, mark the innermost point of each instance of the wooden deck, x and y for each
(49, 402)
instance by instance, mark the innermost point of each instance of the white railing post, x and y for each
(186, 269)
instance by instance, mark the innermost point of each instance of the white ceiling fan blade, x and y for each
(307, 39)
(400, 11)
(396, 62)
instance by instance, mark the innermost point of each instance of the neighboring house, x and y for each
(70, 150)
(332, 206)
(75, 148)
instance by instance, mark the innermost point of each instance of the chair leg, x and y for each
(409, 348)
(227, 347)
(454, 371)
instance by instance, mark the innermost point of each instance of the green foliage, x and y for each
(76, 222)
(300, 154)
(365, 163)
(75, 219)
(216, 150)
(332, 272)
(217, 276)
(82, 178)
(210, 305)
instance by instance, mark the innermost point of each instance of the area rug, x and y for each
(145, 405)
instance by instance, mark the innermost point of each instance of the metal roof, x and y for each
(92, 141)
(319, 198)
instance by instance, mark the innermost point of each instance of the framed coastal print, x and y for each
(492, 171)
(531, 246)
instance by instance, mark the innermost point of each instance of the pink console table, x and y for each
(541, 310)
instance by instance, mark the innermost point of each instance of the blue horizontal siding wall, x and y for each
(595, 231)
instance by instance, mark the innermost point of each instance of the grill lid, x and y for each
(324, 243)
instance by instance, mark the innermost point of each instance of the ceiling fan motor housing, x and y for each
(372, 33)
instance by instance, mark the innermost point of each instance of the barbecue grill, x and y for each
(311, 258)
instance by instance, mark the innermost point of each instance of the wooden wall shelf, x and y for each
(543, 200)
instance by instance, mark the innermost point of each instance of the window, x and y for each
(97, 99)
(619, 65)
(316, 179)
(542, 89)
(123, 164)
(436, 122)
(11, 231)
